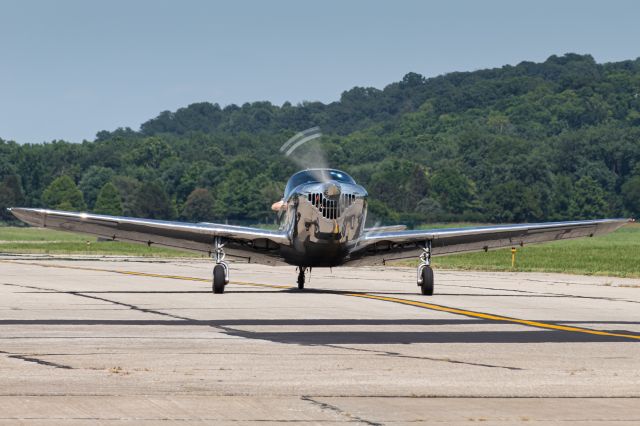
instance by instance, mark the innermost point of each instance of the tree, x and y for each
(199, 206)
(430, 209)
(108, 201)
(399, 184)
(128, 188)
(454, 191)
(11, 195)
(63, 194)
(150, 152)
(631, 193)
(561, 193)
(497, 121)
(152, 202)
(93, 180)
(238, 197)
(588, 200)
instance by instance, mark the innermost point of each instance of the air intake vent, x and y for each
(331, 208)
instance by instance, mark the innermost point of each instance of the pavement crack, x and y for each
(102, 299)
(128, 305)
(529, 293)
(426, 358)
(339, 411)
(36, 360)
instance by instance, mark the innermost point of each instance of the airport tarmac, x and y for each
(131, 341)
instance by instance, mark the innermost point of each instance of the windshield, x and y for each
(316, 175)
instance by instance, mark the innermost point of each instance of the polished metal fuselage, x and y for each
(323, 223)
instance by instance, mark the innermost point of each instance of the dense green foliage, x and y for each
(531, 142)
(108, 201)
(199, 206)
(10, 195)
(63, 194)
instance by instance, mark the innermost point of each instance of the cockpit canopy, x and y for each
(314, 176)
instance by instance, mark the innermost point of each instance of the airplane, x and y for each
(322, 219)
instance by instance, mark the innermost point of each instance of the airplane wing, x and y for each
(378, 229)
(380, 248)
(242, 243)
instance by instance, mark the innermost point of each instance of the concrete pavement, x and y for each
(117, 340)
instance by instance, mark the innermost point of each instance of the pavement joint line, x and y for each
(295, 395)
(338, 411)
(537, 294)
(408, 302)
(399, 355)
(34, 359)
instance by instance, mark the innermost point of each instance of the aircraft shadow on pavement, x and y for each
(404, 337)
(527, 335)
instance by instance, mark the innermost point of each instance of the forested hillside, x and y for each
(532, 142)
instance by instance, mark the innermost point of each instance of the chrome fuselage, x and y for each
(324, 220)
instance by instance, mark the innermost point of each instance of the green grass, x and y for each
(15, 234)
(47, 241)
(616, 254)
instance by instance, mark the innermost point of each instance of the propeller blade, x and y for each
(311, 156)
(300, 138)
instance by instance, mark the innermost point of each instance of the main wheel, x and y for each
(301, 281)
(218, 279)
(427, 281)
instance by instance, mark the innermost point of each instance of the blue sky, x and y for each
(70, 68)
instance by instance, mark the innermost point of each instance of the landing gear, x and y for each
(301, 272)
(219, 279)
(221, 270)
(425, 273)
(427, 281)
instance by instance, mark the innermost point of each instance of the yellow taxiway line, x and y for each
(492, 317)
(409, 302)
(142, 274)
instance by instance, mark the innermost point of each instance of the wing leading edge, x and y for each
(247, 244)
(380, 248)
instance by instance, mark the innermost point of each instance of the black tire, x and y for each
(300, 281)
(218, 279)
(427, 281)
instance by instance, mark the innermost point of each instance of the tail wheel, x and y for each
(427, 281)
(219, 279)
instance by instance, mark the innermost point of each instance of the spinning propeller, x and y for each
(305, 150)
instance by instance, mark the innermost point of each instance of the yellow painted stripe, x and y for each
(424, 305)
(492, 317)
(178, 277)
(142, 274)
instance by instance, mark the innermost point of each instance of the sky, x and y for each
(71, 68)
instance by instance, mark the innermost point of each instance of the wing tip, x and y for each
(30, 216)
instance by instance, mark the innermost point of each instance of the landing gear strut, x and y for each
(221, 270)
(425, 273)
(301, 271)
